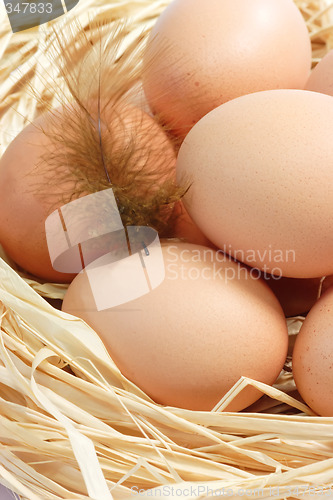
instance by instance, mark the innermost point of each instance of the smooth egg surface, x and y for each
(260, 168)
(185, 229)
(313, 357)
(201, 54)
(190, 339)
(297, 296)
(321, 78)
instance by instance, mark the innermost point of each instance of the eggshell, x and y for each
(321, 78)
(313, 357)
(296, 295)
(201, 54)
(261, 175)
(186, 342)
(30, 189)
(185, 229)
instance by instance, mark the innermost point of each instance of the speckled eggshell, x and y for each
(321, 78)
(188, 341)
(313, 357)
(262, 180)
(201, 54)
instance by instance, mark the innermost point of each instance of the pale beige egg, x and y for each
(313, 357)
(260, 168)
(187, 341)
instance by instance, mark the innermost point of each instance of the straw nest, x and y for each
(71, 426)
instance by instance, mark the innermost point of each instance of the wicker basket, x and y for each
(95, 434)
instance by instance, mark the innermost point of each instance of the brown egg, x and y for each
(201, 54)
(40, 172)
(313, 357)
(186, 339)
(321, 78)
(297, 296)
(184, 228)
(260, 169)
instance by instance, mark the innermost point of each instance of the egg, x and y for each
(57, 158)
(321, 78)
(297, 296)
(201, 54)
(312, 360)
(187, 341)
(185, 229)
(260, 169)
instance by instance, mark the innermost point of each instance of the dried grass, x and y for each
(71, 426)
